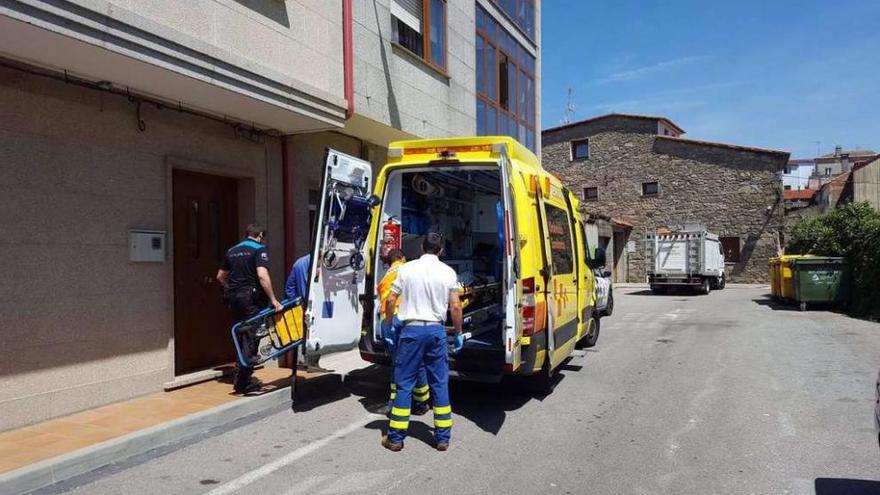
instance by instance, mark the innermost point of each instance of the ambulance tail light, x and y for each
(527, 303)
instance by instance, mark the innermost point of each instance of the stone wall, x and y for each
(734, 192)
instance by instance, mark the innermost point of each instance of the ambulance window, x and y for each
(561, 252)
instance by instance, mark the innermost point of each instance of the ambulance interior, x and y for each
(466, 206)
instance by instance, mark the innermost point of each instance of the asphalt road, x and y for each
(683, 394)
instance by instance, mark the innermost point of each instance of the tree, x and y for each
(852, 232)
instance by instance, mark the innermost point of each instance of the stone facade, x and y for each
(734, 191)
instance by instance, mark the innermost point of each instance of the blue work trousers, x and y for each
(421, 346)
(421, 392)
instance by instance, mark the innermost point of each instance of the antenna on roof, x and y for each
(568, 116)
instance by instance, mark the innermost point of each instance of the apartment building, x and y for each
(137, 140)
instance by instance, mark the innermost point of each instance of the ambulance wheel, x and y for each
(722, 283)
(589, 340)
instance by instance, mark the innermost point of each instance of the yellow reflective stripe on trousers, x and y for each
(398, 425)
(421, 390)
(443, 410)
(393, 395)
(403, 413)
(393, 386)
(443, 423)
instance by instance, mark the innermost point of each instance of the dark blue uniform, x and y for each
(245, 296)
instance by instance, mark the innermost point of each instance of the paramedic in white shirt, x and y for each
(427, 289)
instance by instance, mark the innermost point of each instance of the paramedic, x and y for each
(298, 280)
(390, 334)
(427, 288)
(298, 286)
(245, 278)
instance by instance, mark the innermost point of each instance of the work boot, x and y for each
(420, 409)
(393, 447)
(442, 446)
(253, 386)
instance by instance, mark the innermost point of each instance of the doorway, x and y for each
(619, 272)
(205, 217)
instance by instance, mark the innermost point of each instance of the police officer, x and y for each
(427, 288)
(245, 277)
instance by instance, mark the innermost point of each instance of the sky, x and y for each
(776, 74)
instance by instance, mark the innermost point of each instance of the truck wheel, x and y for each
(706, 287)
(657, 289)
(722, 283)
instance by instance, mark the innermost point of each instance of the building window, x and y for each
(521, 13)
(730, 246)
(650, 188)
(827, 171)
(580, 149)
(420, 27)
(505, 83)
(591, 194)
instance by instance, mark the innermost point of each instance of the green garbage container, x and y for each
(819, 279)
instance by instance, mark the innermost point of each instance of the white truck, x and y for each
(684, 258)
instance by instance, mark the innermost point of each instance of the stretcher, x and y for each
(276, 332)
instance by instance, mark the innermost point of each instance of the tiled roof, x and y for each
(803, 194)
(851, 153)
(614, 115)
(725, 145)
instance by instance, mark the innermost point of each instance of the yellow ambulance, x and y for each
(512, 232)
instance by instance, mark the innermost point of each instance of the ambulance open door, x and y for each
(337, 277)
(512, 326)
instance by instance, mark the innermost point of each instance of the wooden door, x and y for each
(205, 220)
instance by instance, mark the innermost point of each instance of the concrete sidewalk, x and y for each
(52, 451)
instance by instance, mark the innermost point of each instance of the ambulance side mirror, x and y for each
(374, 201)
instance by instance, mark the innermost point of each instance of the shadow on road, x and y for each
(844, 486)
(670, 291)
(775, 305)
(370, 383)
(484, 404)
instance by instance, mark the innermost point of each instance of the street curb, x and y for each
(64, 467)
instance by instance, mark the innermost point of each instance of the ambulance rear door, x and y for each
(337, 275)
(512, 331)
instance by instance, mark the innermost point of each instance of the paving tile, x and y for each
(24, 446)
(38, 441)
(16, 435)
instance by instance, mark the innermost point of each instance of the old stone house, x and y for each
(640, 170)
